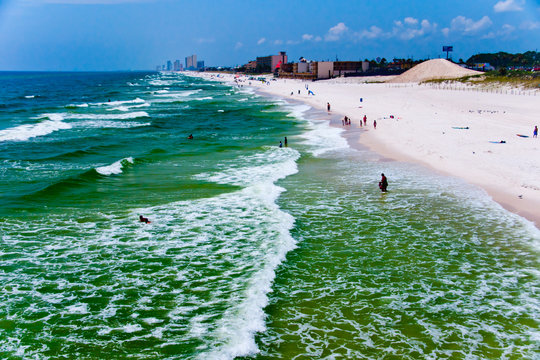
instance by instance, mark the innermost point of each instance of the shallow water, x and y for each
(253, 250)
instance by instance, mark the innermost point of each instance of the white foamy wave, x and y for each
(257, 238)
(30, 96)
(118, 103)
(28, 131)
(119, 108)
(127, 108)
(322, 138)
(98, 124)
(204, 98)
(161, 82)
(298, 111)
(131, 115)
(73, 106)
(179, 94)
(274, 164)
(161, 91)
(115, 168)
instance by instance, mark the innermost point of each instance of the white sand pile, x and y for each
(433, 69)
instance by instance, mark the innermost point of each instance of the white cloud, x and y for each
(238, 45)
(336, 32)
(372, 33)
(508, 5)
(410, 21)
(410, 28)
(507, 29)
(278, 42)
(469, 26)
(530, 25)
(445, 31)
(318, 38)
(307, 37)
(261, 41)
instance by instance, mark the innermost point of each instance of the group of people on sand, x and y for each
(363, 122)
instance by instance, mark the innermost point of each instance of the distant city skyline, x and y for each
(85, 35)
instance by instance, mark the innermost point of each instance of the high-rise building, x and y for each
(158, 68)
(177, 65)
(169, 65)
(191, 62)
(200, 65)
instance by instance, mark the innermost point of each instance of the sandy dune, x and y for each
(433, 69)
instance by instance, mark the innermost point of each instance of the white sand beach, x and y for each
(456, 132)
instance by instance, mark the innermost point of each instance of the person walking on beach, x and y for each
(365, 120)
(328, 106)
(374, 124)
(383, 184)
(535, 132)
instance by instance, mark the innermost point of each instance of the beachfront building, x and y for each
(318, 70)
(271, 62)
(200, 65)
(251, 66)
(322, 69)
(169, 65)
(341, 68)
(177, 65)
(191, 62)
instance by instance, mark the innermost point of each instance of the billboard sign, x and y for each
(447, 48)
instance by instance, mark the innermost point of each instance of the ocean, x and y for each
(253, 251)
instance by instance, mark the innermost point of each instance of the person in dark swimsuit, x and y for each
(143, 219)
(383, 184)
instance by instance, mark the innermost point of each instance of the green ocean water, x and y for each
(253, 251)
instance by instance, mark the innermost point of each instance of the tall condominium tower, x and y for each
(191, 62)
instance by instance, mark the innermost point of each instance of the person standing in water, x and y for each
(383, 184)
(286, 141)
(280, 144)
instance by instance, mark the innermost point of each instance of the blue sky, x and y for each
(139, 34)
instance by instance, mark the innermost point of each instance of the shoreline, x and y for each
(508, 172)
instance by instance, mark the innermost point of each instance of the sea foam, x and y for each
(28, 131)
(115, 168)
(131, 115)
(120, 102)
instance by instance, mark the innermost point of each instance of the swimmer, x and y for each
(143, 219)
(190, 136)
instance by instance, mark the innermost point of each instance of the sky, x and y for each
(95, 35)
